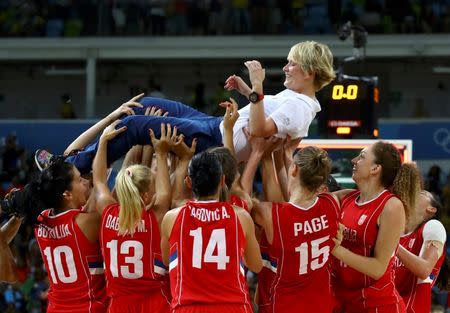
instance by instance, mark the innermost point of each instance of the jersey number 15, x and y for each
(312, 261)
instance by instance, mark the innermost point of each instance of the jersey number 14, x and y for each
(217, 240)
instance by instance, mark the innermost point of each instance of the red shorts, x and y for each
(139, 304)
(212, 308)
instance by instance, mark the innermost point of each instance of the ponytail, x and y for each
(130, 183)
(406, 186)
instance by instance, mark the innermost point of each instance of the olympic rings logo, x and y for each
(442, 138)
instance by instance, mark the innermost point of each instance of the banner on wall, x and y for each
(431, 140)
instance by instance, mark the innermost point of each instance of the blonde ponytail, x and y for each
(130, 184)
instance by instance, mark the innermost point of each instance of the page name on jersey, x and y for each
(311, 226)
(112, 222)
(57, 232)
(206, 215)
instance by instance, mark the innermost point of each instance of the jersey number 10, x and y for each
(55, 260)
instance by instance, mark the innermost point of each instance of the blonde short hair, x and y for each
(314, 57)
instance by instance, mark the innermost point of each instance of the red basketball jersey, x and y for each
(73, 263)
(296, 271)
(206, 257)
(355, 291)
(416, 293)
(235, 200)
(133, 263)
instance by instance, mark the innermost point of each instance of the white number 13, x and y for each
(217, 240)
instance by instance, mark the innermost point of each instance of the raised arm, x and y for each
(252, 253)
(103, 196)
(8, 269)
(163, 190)
(259, 125)
(184, 155)
(391, 225)
(229, 119)
(271, 187)
(89, 135)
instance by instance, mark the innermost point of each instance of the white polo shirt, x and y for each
(291, 112)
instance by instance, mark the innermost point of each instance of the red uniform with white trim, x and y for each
(235, 200)
(296, 272)
(73, 263)
(416, 293)
(355, 291)
(134, 269)
(206, 259)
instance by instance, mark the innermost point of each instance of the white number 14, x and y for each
(217, 240)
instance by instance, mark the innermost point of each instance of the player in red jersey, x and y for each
(420, 255)
(232, 191)
(206, 244)
(298, 240)
(130, 237)
(67, 235)
(373, 219)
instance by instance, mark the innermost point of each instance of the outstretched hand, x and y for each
(162, 145)
(182, 150)
(256, 73)
(237, 83)
(339, 236)
(127, 107)
(111, 132)
(154, 111)
(231, 114)
(261, 145)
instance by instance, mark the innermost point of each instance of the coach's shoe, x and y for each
(42, 158)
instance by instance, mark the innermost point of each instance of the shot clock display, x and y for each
(349, 108)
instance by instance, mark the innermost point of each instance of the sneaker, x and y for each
(42, 158)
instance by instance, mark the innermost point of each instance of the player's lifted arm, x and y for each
(229, 119)
(8, 271)
(89, 135)
(184, 155)
(259, 125)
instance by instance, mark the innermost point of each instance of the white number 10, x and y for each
(217, 240)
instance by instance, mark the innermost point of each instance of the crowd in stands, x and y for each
(64, 18)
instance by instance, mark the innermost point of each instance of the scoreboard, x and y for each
(349, 108)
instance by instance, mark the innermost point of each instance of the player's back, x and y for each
(296, 271)
(73, 263)
(206, 259)
(133, 263)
